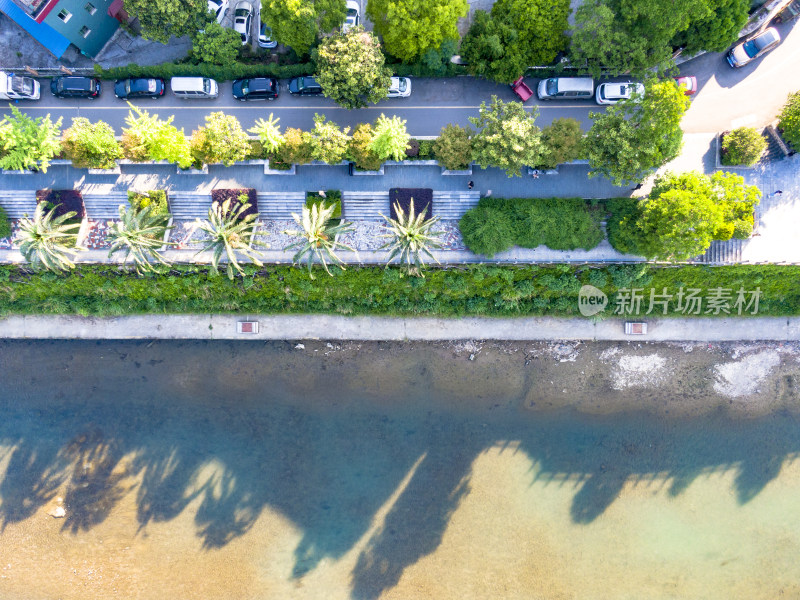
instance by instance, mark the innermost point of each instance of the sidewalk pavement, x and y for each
(328, 327)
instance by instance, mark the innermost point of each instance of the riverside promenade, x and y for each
(339, 328)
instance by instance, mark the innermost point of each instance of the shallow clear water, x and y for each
(221, 470)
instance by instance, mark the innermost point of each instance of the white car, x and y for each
(399, 88)
(242, 20)
(219, 8)
(611, 93)
(353, 17)
(743, 53)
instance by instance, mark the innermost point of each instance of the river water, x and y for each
(405, 471)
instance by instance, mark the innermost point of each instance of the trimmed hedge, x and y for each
(155, 198)
(497, 224)
(5, 226)
(332, 198)
(472, 290)
(217, 72)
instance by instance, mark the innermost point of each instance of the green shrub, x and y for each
(297, 148)
(563, 142)
(218, 72)
(155, 198)
(332, 198)
(425, 148)
(743, 146)
(453, 147)
(5, 226)
(487, 229)
(360, 149)
(623, 234)
(789, 120)
(559, 223)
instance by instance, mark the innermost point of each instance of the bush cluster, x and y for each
(742, 146)
(157, 199)
(5, 226)
(332, 198)
(789, 120)
(497, 224)
(472, 290)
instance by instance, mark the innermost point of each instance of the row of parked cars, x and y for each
(582, 88)
(253, 88)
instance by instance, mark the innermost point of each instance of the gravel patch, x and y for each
(743, 377)
(639, 371)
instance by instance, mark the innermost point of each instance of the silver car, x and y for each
(242, 20)
(743, 53)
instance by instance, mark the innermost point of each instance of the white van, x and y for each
(194, 87)
(566, 88)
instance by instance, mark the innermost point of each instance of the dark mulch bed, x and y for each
(423, 198)
(221, 196)
(64, 200)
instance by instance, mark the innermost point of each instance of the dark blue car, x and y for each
(139, 87)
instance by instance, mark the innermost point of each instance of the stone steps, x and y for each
(280, 205)
(188, 206)
(105, 206)
(365, 206)
(453, 205)
(723, 253)
(18, 203)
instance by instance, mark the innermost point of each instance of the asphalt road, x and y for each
(749, 96)
(433, 104)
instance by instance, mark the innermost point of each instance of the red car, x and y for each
(521, 89)
(689, 83)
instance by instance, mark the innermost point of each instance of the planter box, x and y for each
(542, 171)
(125, 161)
(320, 163)
(378, 172)
(26, 172)
(115, 171)
(417, 163)
(459, 172)
(60, 162)
(190, 171)
(290, 171)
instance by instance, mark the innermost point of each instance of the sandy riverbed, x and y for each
(363, 470)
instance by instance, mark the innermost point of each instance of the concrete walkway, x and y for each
(327, 327)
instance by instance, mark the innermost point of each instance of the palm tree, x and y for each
(140, 235)
(47, 240)
(230, 231)
(411, 237)
(318, 237)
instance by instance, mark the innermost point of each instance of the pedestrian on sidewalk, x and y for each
(638, 187)
(535, 173)
(777, 192)
(471, 185)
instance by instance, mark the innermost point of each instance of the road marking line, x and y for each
(152, 108)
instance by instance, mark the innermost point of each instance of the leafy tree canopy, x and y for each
(217, 45)
(507, 136)
(789, 120)
(350, 68)
(161, 19)
(409, 28)
(27, 143)
(390, 138)
(487, 49)
(298, 23)
(638, 134)
(221, 140)
(563, 142)
(717, 31)
(91, 145)
(150, 138)
(453, 147)
(328, 141)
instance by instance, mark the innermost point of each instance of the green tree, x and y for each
(91, 145)
(638, 134)
(487, 229)
(297, 148)
(328, 142)
(390, 138)
(743, 146)
(507, 137)
(789, 120)
(360, 149)
(139, 234)
(411, 238)
(350, 68)
(217, 45)
(738, 201)
(298, 23)
(268, 134)
(563, 142)
(487, 49)
(318, 237)
(27, 143)
(150, 138)
(410, 28)
(161, 19)
(230, 231)
(718, 30)
(453, 147)
(46, 241)
(221, 140)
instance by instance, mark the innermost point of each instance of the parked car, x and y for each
(353, 17)
(689, 84)
(18, 87)
(305, 86)
(265, 37)
(400, 87)
(219, 8)
(242, 20)
(747, 51)
(611, 93)
(139, 87)
(565, 88)
(255, 88)
(69, 86)
(789, 13)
